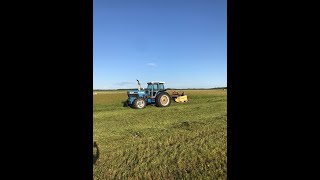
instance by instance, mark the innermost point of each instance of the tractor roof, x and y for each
(155, 82)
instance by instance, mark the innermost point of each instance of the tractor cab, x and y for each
(154, 87)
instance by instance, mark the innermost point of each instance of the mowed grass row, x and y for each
(181, 141)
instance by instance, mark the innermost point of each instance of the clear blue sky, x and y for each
(180, 42)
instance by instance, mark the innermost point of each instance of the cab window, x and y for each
(161, 87)
(155, 87)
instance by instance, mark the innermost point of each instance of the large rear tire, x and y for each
(139, 103)
(163, 100)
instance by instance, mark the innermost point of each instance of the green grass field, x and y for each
(183, 141)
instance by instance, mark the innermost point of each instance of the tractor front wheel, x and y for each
(163, 100)
(139, 103)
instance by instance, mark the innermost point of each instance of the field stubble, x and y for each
(183, 141)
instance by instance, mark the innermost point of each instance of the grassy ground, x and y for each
(183, 141)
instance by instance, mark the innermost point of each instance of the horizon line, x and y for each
(166, 88)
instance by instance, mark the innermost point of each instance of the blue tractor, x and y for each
(155, 94)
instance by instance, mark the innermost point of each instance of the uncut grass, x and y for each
(182, 141)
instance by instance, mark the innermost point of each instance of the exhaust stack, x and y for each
(139, 85)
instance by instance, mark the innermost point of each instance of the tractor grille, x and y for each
(133, 95)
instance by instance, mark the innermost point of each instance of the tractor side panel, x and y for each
(151, 101)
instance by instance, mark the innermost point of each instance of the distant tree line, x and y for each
(166, 88)
(196, 88)
(219, 88)
(111, 89)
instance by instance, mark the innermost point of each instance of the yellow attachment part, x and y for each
(182, 99)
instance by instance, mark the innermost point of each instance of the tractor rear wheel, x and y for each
(139, 103)
(163, 100)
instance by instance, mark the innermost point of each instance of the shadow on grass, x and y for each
(125, 104)
(95, 156)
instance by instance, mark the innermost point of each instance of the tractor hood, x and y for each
(136, 91)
